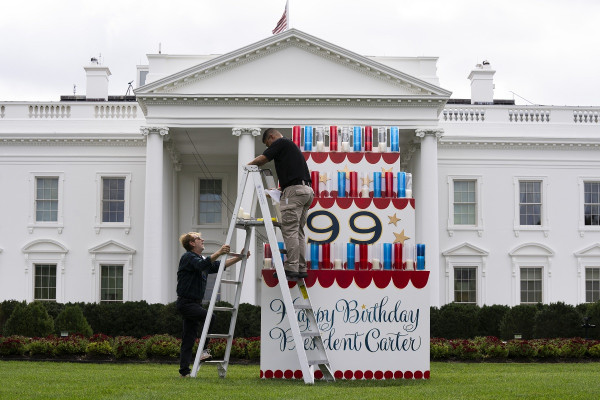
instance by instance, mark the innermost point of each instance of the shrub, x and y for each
(546, 348)
(518, 320)
(439, 349)
(71, 319)
(464, 349)
(217, 348)
(594, 350)
(129, 347)
(491, 347)
(6, 309)
(13, 345)
(557, 320)
(248, 321)
(162, 346)
(520, 349)
(99, 349)
(238, 348)
(70, 345)
(253, 348)
(489, 319)
(31, 320)
(572, 348)
(41, 347)
(593, 312)
(458, 321)
(434, 315)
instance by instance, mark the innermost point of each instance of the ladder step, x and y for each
(230, 282)
(302, 307)
(310, 334)
(218, 335)
(214, 361)
(318, 361)
(224, 308)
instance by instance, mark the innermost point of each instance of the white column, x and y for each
(427, 208)
(246, 153)
(153, 290)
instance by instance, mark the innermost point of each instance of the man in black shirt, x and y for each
(191, 284)
(296, 198)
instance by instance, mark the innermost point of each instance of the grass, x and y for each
(61, 380)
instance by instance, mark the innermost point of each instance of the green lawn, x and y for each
(61, 380)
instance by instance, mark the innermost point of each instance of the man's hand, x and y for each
(224, 249)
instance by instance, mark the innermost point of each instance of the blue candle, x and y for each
(357, 139)
(376, 184)
(341, 184)
(420, 262)
(280, 245)
(387, 256)
(314, 256)
(420, 249)
(308, 138)
(401, 183)
(394, 139)
(350, 255)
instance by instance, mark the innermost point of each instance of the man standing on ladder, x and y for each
(296, 198)
(191, 285)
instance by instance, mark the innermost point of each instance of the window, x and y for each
(210, 201)
(464, 202)
(592, 285)
(45, 282)
(591, 203)
(465, 285)
(111, 283)
(530, 202)
(531, 285)
(113, 199)
(46, 199)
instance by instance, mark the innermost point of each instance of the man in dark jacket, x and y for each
(191, 284)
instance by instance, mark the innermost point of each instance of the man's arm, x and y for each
(260, 160)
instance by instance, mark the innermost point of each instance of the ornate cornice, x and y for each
(422, 132)
(161, 130)
(72, 142)
(500, 143)
(245, 131)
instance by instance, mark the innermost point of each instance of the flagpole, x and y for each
(289, 16)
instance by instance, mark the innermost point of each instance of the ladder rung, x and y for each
(224, 308)
(229, 281)
(302, 307)
(218, 335)
(318, 361)
(214, 361)
(310, 334)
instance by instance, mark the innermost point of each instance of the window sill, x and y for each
(54, 225)
(114, 225)
(534, 228)
(588, 228)
(467, 228)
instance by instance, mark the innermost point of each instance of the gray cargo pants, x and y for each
(295, 202)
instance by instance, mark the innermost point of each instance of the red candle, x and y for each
(296, 135)
(363, 261)
(326, 250)
(314, 177)
(333, 142)
(389, 184)
(267, 251)
(398, 256)
(353, 184)
(368, 138)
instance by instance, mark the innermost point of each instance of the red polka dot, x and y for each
(268, 374)
(288, 374)
(261, 373)
(358, 374)
(426, 375)
(408, 375)
(368, 374)
(318, 374)
(298, 374)
(378, 375)
(388, 374)
(279, 374)
(338, 374)
(418, 375)
(348, 374)
(398, 375)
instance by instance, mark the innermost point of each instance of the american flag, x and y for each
(282, 25)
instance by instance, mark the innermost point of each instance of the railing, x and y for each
(586, 116)
(116, 111)
(522, 115)
(49, 111)
(23, 111)
(463, 114)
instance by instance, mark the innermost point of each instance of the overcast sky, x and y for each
(545, 51)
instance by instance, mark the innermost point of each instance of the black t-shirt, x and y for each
(289, 162)
(192, 275)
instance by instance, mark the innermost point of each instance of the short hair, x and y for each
(268, 132)
(186, 238)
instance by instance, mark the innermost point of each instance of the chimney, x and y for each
(97, 81)
(482, 84)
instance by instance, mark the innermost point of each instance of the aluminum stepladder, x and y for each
(307, 365)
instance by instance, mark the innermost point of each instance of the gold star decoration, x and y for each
(323, 178)
(346, 170)
(400, 237)
(363, 306)
(393, 219)
(366, 180)
(383, 170)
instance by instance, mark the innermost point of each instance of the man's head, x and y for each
(270, 135)
(192, 241)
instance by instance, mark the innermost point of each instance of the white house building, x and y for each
(97, 188)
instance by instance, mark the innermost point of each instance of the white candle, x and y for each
(375, 263)
(364, 192)
(246, 215)
(382, 147)
(320, 146)
(337, 264)
(267, 263)
(408, 193)
(410, 265)
(241, 213)
(345, 146)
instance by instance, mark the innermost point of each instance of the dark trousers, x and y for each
(192, 313)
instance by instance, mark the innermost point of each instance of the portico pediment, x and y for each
(111, 247)
(590, 251)
(290, 68)
(465, 249)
